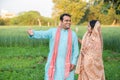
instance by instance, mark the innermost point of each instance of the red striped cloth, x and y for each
(51, 70)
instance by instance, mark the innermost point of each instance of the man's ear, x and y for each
(60, 23)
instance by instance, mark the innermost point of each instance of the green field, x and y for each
(22, 58)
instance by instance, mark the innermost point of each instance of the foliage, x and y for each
(74, 7)
(94, 11)
(4, 21)
(45, 21)
(107, 11)
(82, 11)
(103, 12)
(28, 63)
(114, 4)
(109, 18)
(28, 18)
(22, 63)
(16, 36)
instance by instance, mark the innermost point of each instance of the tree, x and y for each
(28, 18)
(5, 21)
(115, 4)
(76, 8)
(106, 13)
(2, 22)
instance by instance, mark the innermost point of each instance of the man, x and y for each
(63, 52)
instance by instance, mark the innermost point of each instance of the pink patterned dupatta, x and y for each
(90, 65)
(51, 70)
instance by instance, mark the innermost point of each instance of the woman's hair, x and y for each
(92, 23)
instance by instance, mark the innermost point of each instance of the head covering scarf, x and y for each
(90, 64)
(51, 70)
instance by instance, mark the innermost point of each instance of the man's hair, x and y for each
(92, 23)
(64, 14)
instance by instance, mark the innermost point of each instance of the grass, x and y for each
(28, 63)
(112, 65)
(22, 58)
(17, 36)
(17, 63)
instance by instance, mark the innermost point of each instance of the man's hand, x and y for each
(30, 32)
(72, 67)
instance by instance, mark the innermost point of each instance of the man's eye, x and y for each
(68, 20)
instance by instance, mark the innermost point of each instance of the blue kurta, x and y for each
(62, 48)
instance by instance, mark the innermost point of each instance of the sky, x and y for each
(15, 6)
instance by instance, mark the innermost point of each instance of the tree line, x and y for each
(106, 11)
(27, 18)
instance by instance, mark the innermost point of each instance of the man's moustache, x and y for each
(68, 26)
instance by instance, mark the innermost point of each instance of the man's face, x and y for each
(66, 23)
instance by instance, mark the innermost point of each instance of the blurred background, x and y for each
(46, 12)
(22, 58)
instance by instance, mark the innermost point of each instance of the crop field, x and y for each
(22, 58)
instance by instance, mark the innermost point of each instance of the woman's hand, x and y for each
(72, 67)
(79, 40)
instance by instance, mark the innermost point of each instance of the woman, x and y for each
(90, 64)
